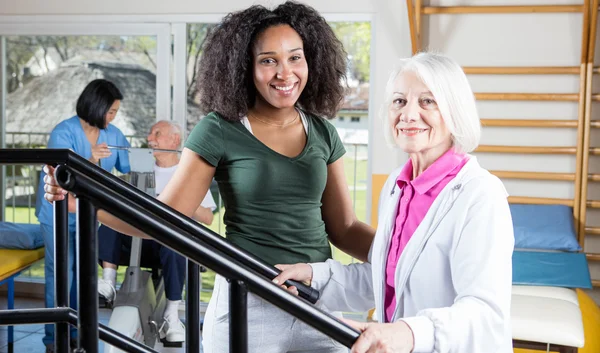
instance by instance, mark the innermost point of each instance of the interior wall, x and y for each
(543, 39)
(473, 40)
(142, 7)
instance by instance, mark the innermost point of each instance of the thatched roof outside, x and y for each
(357, 98)
(46, 100)
(36, 66)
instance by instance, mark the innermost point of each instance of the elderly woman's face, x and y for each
(416, 122)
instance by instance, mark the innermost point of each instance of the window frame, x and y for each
(171, 36)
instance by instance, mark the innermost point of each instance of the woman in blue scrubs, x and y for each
(89, 133)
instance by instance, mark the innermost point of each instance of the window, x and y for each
(46, 74)
(138, 57)
(355, 119)
(196, 35)
(356, 38)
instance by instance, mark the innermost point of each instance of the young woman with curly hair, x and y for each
(267, 79)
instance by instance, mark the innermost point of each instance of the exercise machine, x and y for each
(137, 311)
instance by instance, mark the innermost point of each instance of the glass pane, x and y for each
(351, 123)
(196, 35)
(46, 75)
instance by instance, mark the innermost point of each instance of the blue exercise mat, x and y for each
(557, 269)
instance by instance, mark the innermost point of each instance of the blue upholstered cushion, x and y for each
(20, 236)
(544, 227)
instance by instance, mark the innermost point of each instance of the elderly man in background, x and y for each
(164, 135)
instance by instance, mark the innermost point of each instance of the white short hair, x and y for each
(452, 92)
(175, 129)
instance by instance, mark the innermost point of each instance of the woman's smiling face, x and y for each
(415, 119)
(280, 68)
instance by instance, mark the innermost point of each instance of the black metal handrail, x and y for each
(194, 248)
(69, 316)
(102, 189)
(58, 156)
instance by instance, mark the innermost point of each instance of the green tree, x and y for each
(356, 38)
(196, 35)
(22, 49)
(143, 44)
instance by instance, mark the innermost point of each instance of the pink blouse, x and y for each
(416, 199)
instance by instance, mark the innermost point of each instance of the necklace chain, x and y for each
(273, 124)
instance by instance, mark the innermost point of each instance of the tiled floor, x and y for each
(28, 338)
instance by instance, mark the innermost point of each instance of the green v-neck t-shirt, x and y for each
(272, 202)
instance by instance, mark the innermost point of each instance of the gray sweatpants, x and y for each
(270, 329)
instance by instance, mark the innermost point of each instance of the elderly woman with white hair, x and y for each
(440, 268)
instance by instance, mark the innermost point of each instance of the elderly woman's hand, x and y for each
(300, 272)
(53, 192)
(394, 337)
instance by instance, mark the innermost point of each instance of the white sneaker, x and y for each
(106, 290)
(172, 332)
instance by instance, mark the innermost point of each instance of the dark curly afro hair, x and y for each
(225, 77)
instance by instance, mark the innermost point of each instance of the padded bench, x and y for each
(547, 265)
(12, 263)
(546, 317)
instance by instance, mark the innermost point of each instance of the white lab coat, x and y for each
(453, 279)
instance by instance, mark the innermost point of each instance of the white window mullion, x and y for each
(3, 94)
(373, 120)
(163, 77)
(179, 31)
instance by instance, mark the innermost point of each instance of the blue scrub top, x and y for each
(69, 134)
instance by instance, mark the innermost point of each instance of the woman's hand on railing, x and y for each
(299, 272)
(53, 192)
